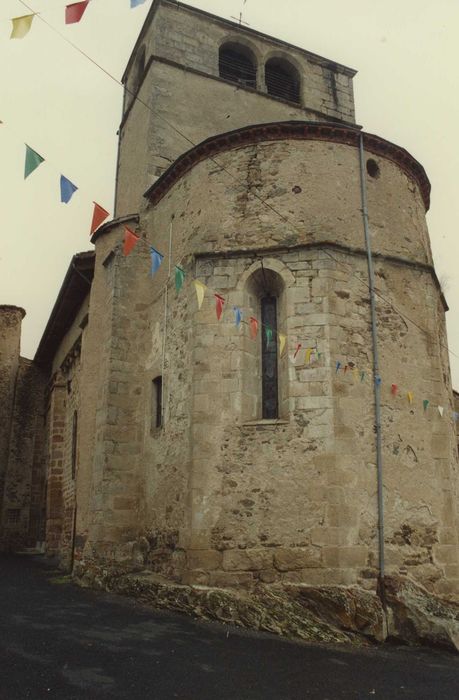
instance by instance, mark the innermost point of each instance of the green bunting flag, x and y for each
(425, 403)
(179, 278)
(32, 161)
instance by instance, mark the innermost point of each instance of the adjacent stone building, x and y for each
(222, 452)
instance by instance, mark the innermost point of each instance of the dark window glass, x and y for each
(282, 80)
(157, 403)
(237, 66)
(270, 400)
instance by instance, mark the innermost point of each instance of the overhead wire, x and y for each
(263, 201)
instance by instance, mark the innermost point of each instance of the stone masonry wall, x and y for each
(10, 339)
(297, 499)
(24, 486)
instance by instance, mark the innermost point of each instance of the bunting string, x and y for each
(349, 369)
(264, 202)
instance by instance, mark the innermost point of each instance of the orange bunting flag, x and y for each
(130, 240)
(253, 327)
(99, 216)
(75, 11)
(410, 397)
(394, 389)
(219, 303)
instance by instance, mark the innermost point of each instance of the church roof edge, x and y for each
(301, 130)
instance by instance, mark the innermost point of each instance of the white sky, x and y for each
(406, 52)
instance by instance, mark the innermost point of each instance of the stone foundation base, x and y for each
(320, 614)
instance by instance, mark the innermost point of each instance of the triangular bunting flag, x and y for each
(98, 217)
(130, 240)
(32, 161)
(237, 316)
(179, 278)
(307, 357)
(440, 410)
(75, 11)
(21, 26)
(253, 327)
(410, 397)
(298, 348)
(200, 291)
(282, 341)
(156, 260)
(219, 303)
(378, 381)
(425, 404)
(394, 389)
(338, 367)
(68, 189)
(136, 3)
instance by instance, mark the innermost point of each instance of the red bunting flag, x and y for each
(130, 239)
(219, 302)
(253, 327)
(75, 11)
(394, 389)
(100, 214)
(298, 348)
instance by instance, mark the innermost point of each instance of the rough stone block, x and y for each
(297, 558)
(206, 559)
(247, 559)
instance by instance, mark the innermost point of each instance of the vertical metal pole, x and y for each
(166, 292)
(376, 376)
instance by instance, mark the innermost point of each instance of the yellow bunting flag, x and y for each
(410, 396)
(21, 26)
(200, 291)
(282, 341)
(308, 354)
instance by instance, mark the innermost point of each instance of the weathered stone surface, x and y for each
(268, 608)
(247, 559)
(297, 558)
(350, 609)
(420, 617)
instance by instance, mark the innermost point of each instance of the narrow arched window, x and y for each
(282, 80)
(237, 63)
(269, 360)
(264, 380)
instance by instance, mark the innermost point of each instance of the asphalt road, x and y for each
(59, 641)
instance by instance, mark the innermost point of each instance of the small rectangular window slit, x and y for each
(157, 403)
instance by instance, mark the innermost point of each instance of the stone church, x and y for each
(150, 431)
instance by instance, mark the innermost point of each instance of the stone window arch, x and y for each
(283, 80)
(265, 372)
(238, 64)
